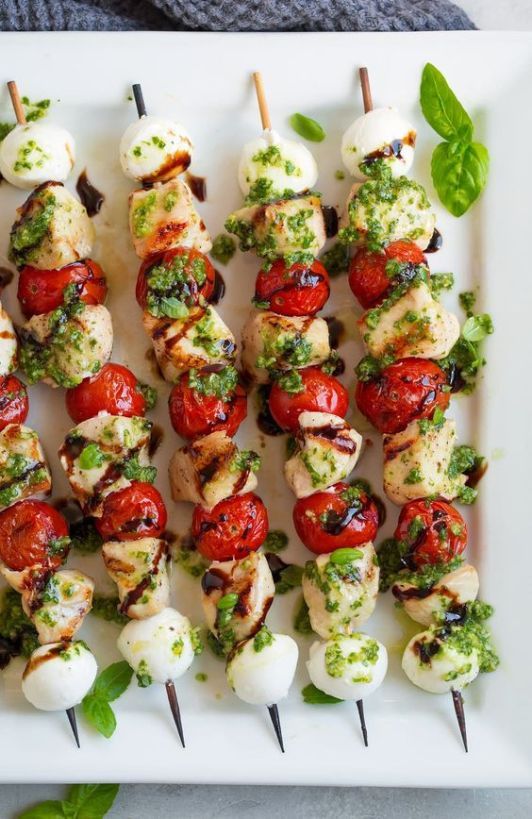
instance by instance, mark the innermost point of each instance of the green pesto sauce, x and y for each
(18, 635)
(171, 286)
(301, 617)
(223, 248)
(107, 608)
(221, 384)
(141, 215)
(29, 232)
(84, 536)
(263, 638)
(276, 541)
(336, 259)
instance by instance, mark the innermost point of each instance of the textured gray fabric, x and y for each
(231, 15)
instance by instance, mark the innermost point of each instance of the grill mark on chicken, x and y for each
(391, 452)
(25, 476)
(135, 594)
(338, 437)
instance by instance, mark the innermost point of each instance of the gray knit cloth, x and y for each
(231, 15)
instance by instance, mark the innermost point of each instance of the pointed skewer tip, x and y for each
(174, 708)
(71, 714)
(139, 100)
(16, 102)
(362, 718)
(458, 702)
(274, 714)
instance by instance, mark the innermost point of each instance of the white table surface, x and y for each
(256, 802)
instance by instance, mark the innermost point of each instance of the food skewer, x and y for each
(406, 400)
(16, 102)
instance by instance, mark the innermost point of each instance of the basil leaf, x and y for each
(92, 801)
(99, 714)
(307, 128)
(173, 308)
(459, 173)
(51, 809)
(477, 327)
(314, 696)
(441, 108)
(91, 457)
(113, 681)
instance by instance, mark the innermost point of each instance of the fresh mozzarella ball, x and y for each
(439, 664)
(380, 134)
(271, 165)
(261, 670)
(58, 675)
(159, 648)
(349, 667)
(36, 152)
(456, 588)
(154, 149)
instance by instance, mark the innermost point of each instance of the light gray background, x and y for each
(252, 802)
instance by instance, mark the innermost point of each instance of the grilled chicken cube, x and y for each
(415, 325)
(163, 217)
(23, 468)
(341, 595)
(138, 567)
(200, 340)
(66, 346)
(59, 607)
(327, 451)
(52, 229)
(8, 344)
(104, 454)
(381, 211)
(417, 460)
(212, 468)
(250, 579)
(425, 606)
(273, 343)
(287, 227)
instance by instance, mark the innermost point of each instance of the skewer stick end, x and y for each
(366, 89)
(362, 718)
(71, 714)
(174, 708)
(16, 102)
(139, 100)
(262, 102)
(276, 721)
(458, 702)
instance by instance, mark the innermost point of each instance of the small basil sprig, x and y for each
(315, 696)
(459, 165)
(109, 685)
(82, 802)
(307, 128)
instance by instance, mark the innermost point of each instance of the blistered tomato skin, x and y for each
(298, 290)
(114, 389)
(433, 529)
(320, 393)
(189, 291)
(235, 527)
(41, 291)
(407, 390)
(368, 279)
(135, 512)
(326, 521)
(13, 401)
(194, 414)
(28, 530)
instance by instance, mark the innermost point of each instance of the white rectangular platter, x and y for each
(203, 80)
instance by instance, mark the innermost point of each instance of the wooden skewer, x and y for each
(274, 714)
(16, 102)
(362, 718)
(366, 89)
(261, 99)
(139, 100)
(458, 702)
(174, 708)
(71, 714)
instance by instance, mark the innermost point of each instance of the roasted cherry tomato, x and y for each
(339, 517)
(368, 277)
(182, 273)
(319, 393)
(114, 389)
(13, 401)
(131, 513)
(234, 528)
(208, 400)
(407, 390)
(41, 291)
(433, 530)
(30, 533)
(298, 290)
